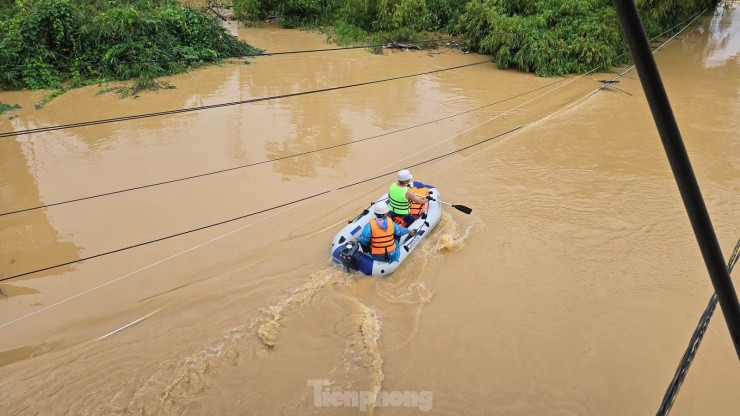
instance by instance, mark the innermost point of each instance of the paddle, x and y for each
(461, 208)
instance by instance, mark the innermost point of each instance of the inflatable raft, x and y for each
(347, 251)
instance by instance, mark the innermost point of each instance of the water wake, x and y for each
(450, 237)
(177, 384)
(269, 331)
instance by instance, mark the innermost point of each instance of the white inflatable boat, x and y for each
(347, 251)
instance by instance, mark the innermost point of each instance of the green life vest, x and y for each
(399, 204)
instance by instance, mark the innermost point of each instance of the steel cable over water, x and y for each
(200, 175)
(362, 180)
(251, 214)
(698, 335)
(294, 205)
(228, 104)
(692, 18)
(621, 74)
(299, 201)
(631, 67)
(185, 110)
(387, 45)
(694, 342)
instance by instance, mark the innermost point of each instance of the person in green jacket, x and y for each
(401, 196)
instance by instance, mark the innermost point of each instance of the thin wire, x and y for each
(84, 65)
(694, 343)
(95, 122)
(200, 175)
(612, 81)
(193, 248)
(329, 147)
(701, 328)
(361, 180)
(631, 67)
(292, 206)
(184, 110)
(228, 104)
(227, 234)
(615, 78)
(302, 199)
(386, 45)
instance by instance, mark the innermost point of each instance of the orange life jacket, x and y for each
(399, 220)
(382, 242)
(414, 208)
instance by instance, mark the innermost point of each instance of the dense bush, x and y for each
(556, 37)
(292, 13)
(48, 43)
(360, 15)
(55, 43)
(658, 15)
(548, 37)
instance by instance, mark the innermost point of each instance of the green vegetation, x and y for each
(557, 37)
(6, 107)
(59, 44)
(62, 44)
(547, 37)
(355, 21)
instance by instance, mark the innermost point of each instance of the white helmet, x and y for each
(404, 175)
(380, 208)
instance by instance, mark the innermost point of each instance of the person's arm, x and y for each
(400, 231)
(364, 238)
(411, 196)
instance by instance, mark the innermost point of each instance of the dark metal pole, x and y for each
(639, 47)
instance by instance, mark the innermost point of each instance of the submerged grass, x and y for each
(4, 108)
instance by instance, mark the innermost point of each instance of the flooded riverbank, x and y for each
(572, 289)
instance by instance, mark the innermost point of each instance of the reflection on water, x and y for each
(723, 46)
(22, 243)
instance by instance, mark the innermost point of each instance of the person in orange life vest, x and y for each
(402, 195)
(417, 209)
(381, 233)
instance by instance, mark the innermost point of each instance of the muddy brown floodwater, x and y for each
(572, 289)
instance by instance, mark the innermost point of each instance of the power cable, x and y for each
(184, 110)
(104, 121)
(83, 65)
(694, 342)
(65, 300)
(606, 83)
(321, 193)
(117, 279)
(336, 189)
(200, 175)
(228, 104)
(251, 214)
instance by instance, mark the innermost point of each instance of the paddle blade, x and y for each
(463, 208)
